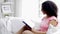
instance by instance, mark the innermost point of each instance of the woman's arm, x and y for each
(53, 22)
(38, 32)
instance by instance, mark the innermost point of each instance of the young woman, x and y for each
(50, 9)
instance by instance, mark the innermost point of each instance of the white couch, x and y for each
(15, 24)
(10, 25)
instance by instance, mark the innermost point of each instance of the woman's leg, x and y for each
(23, 29)
(20, 31)
(27, 32)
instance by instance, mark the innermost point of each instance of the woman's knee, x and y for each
(27, 32)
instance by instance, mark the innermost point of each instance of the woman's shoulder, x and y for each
(52, 18)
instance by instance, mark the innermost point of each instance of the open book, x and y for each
(28, 23)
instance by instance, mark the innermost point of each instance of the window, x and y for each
(7, 8)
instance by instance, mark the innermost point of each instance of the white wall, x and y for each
(18, 10)
(30, 9)
(1, 1)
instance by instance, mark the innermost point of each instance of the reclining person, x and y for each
(50, 9)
